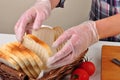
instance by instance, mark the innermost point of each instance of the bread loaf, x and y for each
(22, 58)
(31, 56)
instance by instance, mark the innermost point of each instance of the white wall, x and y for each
(74, 13)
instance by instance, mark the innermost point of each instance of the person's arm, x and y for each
(54, 3)
(108, 27)
(78, 38)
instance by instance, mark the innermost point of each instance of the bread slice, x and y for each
(37, 46)
(47, 35)
(7, 60)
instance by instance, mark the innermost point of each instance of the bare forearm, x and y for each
(109, 26)
(54, 3)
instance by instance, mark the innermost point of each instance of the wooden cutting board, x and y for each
(110, 71)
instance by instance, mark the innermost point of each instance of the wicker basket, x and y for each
(8, 73)
(62, 72)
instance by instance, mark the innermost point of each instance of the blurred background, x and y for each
(73, 13)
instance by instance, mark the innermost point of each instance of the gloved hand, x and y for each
(77, 39)
(32, 18)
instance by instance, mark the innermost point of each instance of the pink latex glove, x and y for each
(77, 39)
(32, 18)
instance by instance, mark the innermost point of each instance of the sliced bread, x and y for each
(37, 46)
(33, 59)
(16, 56)
(47, 35)
(24, 56)
(31, 56)
(25, 59)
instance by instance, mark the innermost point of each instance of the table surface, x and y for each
(93, 54)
